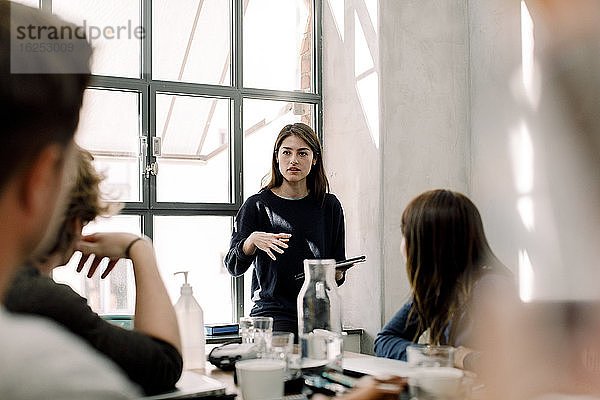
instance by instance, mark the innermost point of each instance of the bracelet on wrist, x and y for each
(130, 245)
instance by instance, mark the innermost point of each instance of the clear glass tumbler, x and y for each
(257, 330)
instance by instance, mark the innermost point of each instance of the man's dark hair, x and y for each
(36, 110)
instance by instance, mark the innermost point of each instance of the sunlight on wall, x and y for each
(368, 91)
(363, 59)
(521, 149)
(526, 212)
(337, 10)
(365, 71)
(522, 157)
(527, 55)
(522, 152)
(526, 277)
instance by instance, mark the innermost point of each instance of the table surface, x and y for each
(227, 376)
(231, 388)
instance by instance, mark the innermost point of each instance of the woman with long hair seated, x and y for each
(453, 275)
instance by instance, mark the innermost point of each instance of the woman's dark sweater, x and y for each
(317, 232)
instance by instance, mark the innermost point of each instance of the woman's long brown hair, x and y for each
(446, 251)
(316, 181)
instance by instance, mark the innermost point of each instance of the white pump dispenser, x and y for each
(191, 327)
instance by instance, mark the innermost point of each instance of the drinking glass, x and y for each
(282, 348)
(434, 376)
(257, 330)
(430, 356)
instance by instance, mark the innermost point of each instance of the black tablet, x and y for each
(350, 261)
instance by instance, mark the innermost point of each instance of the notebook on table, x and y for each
(192, 385)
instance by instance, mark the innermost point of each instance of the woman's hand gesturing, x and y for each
(267, 242)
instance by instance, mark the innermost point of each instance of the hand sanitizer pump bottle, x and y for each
(191, 327)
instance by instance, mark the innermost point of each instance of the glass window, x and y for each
(196, 244)
(109, 127)
(116, 293)
(114, 29)
(195, 149)
(181, 139)
(192, 42)
(263, 119)
(278, 53)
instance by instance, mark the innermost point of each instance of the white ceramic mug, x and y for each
(261, 379)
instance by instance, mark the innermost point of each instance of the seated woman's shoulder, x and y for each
(497, 280)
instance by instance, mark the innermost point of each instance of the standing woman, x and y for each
(453, 275)
(290, 219)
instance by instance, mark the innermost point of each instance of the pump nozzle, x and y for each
(186, 288)
(185, 273)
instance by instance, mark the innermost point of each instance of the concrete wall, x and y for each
(352, 151)
(396, 112)
(495, 58)
(431, 94)
(424, 53)
(534, 166)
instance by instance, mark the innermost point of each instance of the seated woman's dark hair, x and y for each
(446, 252)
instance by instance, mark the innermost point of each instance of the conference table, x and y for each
(226, 377)
(361, 363)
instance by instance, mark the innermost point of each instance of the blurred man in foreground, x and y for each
(39, 112)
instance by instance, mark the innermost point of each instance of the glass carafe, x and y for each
(320, 317)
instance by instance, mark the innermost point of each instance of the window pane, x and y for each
(196, 244)
(116, 293)
(263, 119)
(192, 41)
(114, 29)
(194, 166)
(109, 127)
(278, 45)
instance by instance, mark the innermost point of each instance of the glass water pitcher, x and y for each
(320, 317)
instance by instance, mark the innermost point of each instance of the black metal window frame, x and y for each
(147, 88)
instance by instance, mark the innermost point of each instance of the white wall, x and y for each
(424, 47)
(495, 58)
(449, 111)
(352, 152)
(534, 170)
(396, 108)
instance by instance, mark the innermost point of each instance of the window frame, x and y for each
(148, 207)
